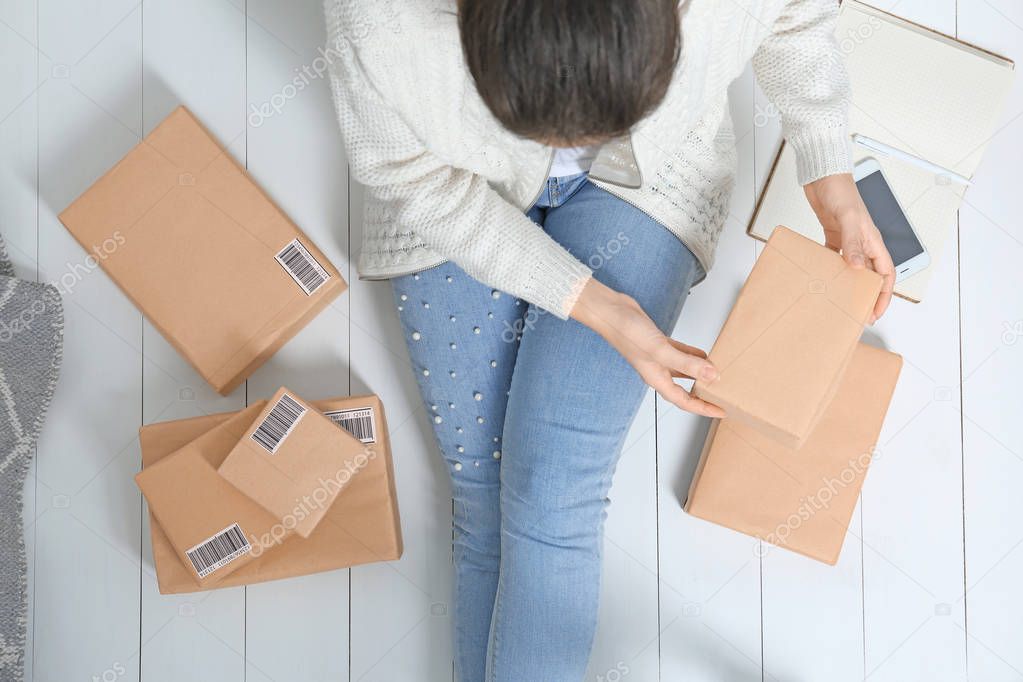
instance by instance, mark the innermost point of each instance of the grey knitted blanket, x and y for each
(31, 326)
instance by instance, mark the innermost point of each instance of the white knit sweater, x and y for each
(444, 181)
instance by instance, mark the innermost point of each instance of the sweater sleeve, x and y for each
(454, 211)
(801, 70)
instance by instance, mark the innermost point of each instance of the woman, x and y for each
(545, 180)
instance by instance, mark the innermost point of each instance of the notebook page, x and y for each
(915, 90)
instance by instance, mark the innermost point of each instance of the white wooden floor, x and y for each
(929, 584)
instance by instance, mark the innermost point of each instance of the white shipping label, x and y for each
(303, 268)
(360, 422)
(219, 550)
(280, 422)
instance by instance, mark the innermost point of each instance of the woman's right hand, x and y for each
(658, 359)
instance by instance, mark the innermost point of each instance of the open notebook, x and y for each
(916, 90)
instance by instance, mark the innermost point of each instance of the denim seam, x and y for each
(495, 637)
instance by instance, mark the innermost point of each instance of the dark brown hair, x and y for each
(570, 71)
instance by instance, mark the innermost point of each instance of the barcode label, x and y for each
(302, 267)
(359, 422)
(272, 431)
(219, 550)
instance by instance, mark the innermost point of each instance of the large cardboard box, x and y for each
(801, 499)
(292, 461)
(219, 269)
(361, 526)
(789, 337)
(214, 527)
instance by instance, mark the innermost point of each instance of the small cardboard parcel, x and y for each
(202, 251)
(289, 461)
(789, 337)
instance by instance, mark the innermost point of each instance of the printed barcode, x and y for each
(272, 431)
(302, 267)
(358, 422)
(219, 550)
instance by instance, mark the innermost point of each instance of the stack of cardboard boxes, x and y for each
(274, 491)
(283, 487)
(804, 399)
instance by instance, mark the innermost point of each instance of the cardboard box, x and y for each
(214, 527)
(291, 461)
(362, 526)
(799, 499)
(789, 336)
(183, 230)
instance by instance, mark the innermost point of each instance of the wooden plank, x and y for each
(88, 531)
(912, 499)
(912, 543)
(290, 130)
(991, 246)
(194, 55)
(18, 112)
(18, 201)
(401, 610)
(709, 576)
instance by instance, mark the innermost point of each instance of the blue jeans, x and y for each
(530, 413)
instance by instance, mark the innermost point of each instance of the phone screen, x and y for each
(884, 209)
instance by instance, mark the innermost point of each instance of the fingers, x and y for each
(684, 400)
(867, 249)
(855, 257)
(883, 265)
(853, 247)
(693, 366)
(662, 382)
(686, 348)
(876, 255)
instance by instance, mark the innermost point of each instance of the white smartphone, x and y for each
(900, 238)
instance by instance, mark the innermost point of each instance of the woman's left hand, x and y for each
(849, 229)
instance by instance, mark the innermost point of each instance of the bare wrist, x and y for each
(595, 304)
